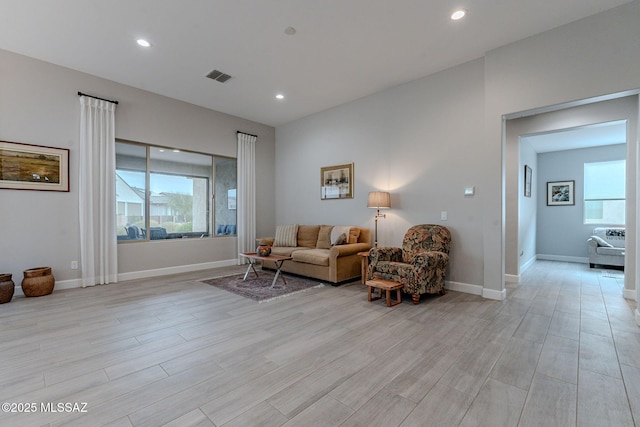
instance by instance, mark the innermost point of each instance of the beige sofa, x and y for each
(314, 256)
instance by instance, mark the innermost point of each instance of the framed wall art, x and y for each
(231, 199)
(527, 181)
(33, 167)
(560, 193)
(336, 182)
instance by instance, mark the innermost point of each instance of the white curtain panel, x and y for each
(97, 164)
(246, 197)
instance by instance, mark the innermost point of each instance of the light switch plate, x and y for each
(443, 215)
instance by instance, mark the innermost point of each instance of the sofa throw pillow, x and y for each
(601, 242)
(308, 235)
(324, 237)
(286, 235)
(354, 233)
(337, 231)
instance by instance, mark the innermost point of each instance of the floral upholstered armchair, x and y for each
(420, 264)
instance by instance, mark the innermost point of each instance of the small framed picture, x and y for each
(560, 193)
(527, 181)
(336, 182)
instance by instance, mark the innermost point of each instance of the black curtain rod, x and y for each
(255, 136)
(102, 99)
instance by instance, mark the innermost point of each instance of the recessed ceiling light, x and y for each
(161, 150)
(458, 14)
(176, 151)
(289, 31)
(279, 96)
(143, 43)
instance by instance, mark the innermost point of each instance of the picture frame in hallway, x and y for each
(527, 180)
(560, 193)
(33, 167)
(336, 182)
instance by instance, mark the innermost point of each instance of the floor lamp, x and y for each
(378, 200)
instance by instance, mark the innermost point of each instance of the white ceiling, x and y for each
(595, 135)
(343, 49)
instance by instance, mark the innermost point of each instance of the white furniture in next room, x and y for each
(607, 246)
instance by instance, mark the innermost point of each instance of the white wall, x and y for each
(425, 140)
(527, 212)
(562, 233)
(39, 105)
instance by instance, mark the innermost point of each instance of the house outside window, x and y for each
(165, 193)
(604, 192)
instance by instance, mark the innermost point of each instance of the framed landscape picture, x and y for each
(336, 182)
(560, 193)
(33, 167)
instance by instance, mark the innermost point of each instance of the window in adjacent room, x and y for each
(604, 192)
(166, 193)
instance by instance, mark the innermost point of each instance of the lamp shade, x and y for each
(379, 200)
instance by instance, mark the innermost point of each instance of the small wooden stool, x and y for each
(388, 286)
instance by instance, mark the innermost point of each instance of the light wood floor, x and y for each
(562, 350)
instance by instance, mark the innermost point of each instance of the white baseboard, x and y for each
(468, 288)
(143, 274)
(629, 294)
(77, 283)
(528, 264)
(494, 294)
(464, 287)
(511, 278)
(60, 284)
(577, 259)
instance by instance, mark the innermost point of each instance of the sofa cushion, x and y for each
(312, 256)
(609, 251)
(324, 237)
(354, 234)
(308, 235)
(286, 235)
(283, 250)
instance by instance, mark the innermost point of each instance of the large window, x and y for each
(604, 192)
(165, 193)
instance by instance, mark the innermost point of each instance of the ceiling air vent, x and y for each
(218, 76)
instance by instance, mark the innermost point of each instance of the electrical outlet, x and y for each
(74, 265)
(443, 215)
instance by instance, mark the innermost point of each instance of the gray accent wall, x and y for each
(561, 229)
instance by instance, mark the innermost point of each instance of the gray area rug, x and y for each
(257, 289)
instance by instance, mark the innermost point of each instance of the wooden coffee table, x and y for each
(277, 259)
